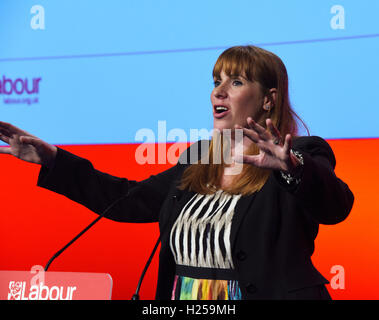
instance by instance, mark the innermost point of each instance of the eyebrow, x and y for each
(237, 76)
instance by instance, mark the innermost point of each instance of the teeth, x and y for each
(221, 108)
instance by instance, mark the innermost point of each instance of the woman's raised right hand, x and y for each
(25, 146)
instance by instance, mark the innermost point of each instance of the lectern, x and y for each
(24, 285)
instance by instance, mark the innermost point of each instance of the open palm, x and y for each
(25, 146)
(274, 153)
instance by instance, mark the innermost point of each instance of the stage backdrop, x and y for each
(98, 78)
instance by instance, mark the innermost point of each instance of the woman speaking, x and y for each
(225, 234)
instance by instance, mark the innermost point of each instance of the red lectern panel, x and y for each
(24, 285)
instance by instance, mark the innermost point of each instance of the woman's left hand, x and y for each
(274, 153)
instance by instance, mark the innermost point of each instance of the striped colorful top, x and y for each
(200, 243)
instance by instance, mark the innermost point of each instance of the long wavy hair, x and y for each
(266, 68)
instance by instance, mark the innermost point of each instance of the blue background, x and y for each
(110, 68)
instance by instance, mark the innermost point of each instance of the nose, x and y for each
(220, 92)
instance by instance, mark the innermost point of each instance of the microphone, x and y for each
(58, 253)
(136, 294)
(184, 158)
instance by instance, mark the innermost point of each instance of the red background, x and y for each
(35, 223)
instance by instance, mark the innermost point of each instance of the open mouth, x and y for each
(220, 111)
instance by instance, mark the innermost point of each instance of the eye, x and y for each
(237, 83)
(216, 83)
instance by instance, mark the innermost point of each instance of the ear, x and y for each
(269, 100)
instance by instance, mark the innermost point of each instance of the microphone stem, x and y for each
(71, 242)
(83, 231)
(136, 295)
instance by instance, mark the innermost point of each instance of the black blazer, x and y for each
(273, 230)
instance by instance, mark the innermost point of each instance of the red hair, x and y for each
(266, 68)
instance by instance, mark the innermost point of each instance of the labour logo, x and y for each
(19, 90)
(15, 289)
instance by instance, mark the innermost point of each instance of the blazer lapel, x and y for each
(241, 209)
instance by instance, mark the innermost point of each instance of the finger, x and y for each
(252, 135)
(5, 132)
(287, 144)
(255, 126)
(4, 138)
(6, 126)
(31, 140)
(11, 128)
(274, 131)
(5, 150)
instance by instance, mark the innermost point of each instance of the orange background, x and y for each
(35, 223)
